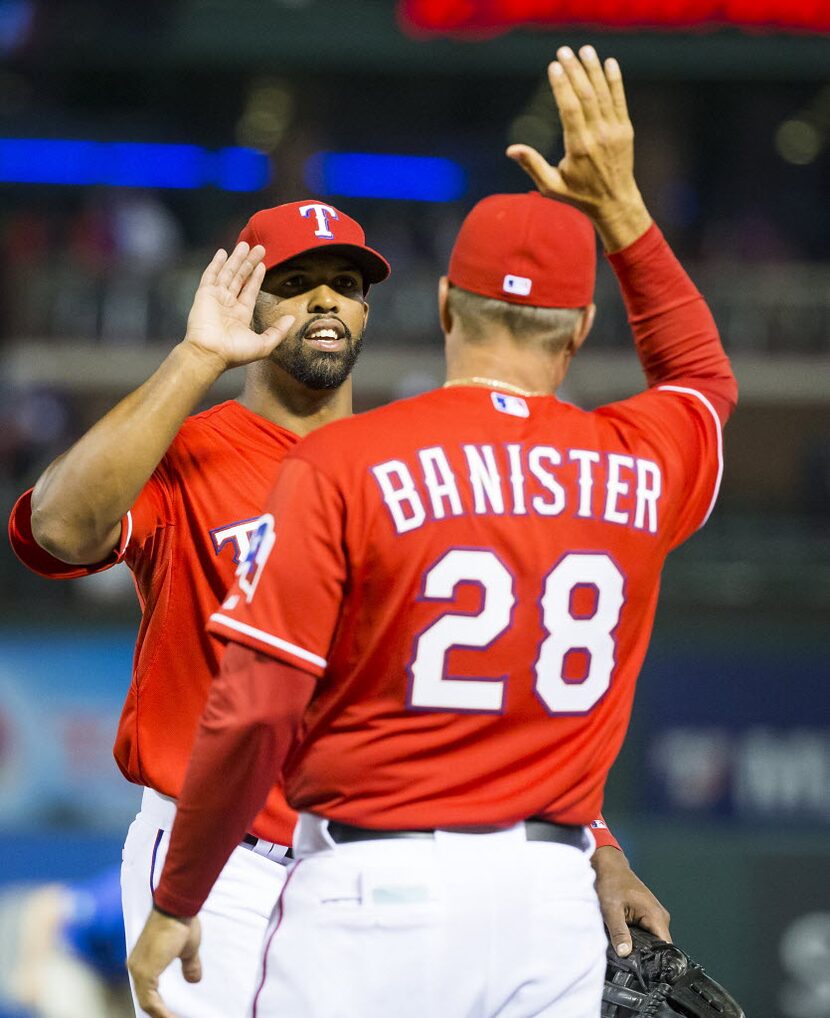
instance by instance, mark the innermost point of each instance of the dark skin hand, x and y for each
(625, 899)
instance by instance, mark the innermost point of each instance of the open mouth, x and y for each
(326, 334)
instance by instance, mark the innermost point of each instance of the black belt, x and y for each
(535, 830)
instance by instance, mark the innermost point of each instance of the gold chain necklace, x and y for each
(493, 383)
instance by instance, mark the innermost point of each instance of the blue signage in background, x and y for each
(738, 731)
(60, 700)
(741, 732)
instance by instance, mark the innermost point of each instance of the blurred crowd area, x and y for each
(733, 157)
(104, 276)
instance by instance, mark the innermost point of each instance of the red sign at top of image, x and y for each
(478, 17)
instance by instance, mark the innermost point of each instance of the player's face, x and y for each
(324, 292)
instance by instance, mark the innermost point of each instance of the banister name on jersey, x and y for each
(516, 480)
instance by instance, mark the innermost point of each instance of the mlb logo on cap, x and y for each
(517, 284)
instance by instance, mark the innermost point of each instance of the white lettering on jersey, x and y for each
(584, 457)
(440, 482)
(616, 487)
(518, 480)
(322, 213)
(485, 479)
(649, 490)
(399, 498)
(547, 480)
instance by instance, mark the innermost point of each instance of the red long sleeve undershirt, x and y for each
(676, 337)
(256, 704)
(248, 728)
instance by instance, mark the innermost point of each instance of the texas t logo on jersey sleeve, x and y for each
(261, 543)
(236, 535)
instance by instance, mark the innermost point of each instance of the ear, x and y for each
(444, 312)
(583, 327)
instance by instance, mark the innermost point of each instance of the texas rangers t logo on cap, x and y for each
(517, 284)
(322, 212)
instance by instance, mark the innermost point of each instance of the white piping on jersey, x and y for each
(129, 534)
(718, 432)
(272, 641)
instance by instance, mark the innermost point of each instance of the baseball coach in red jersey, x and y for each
(436, 637)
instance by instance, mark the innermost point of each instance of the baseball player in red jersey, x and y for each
(437, 637)
(179, 499)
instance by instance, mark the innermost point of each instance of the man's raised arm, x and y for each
(79, 501)
(676, 337)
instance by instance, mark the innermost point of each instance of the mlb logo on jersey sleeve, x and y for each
(250, 568)
(520, 285)
(513, 405)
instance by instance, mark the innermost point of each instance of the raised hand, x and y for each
(596, 174)
(219, 323)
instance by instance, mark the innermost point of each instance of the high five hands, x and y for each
(596, 174)
(219, 323)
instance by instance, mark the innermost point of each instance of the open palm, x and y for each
(596, 173)
(219, 322)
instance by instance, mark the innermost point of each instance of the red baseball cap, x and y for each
(288, 231)
(526, 249)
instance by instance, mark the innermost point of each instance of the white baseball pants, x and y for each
(234, 917)
(456, 926)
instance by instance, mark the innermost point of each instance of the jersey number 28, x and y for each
(564, 632)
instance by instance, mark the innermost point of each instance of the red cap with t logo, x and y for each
(526, 249)
(288, 231)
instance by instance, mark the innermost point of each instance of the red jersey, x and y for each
(183, 538)
(472, 576)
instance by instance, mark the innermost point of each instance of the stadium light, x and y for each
(130, 164)
(366, 175)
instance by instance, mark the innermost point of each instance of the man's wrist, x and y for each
(609, 855)
(184, 920)
(206, 363)
(621, 222)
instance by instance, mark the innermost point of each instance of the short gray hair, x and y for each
(553, 328)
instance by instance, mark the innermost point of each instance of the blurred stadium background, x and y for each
(135, 139)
